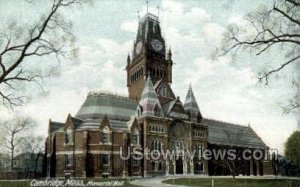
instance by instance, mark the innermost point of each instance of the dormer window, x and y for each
(69, 136)
(164, 91)
(105, 135)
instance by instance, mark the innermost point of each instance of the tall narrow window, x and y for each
(153, 145)
(199, 166)
(105, 135)
(69, 160)
(153, 165)
(163, 91)
(105, 159)
(135, 162)
(135, 136)
(69, 136)
(160, 166)
(156, 145)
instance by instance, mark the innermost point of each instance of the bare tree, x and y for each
(50, 36)
(16, 129)
(34, 147)
(269, 29)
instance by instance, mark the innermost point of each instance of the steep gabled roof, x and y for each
(76, 122)
(149, 99)
(191, 106)
(228, 134)
(55, 126)
(168, 106)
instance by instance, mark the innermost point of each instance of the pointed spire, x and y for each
(128, 59)
(170, 54)
(191, 106)
(149, 99)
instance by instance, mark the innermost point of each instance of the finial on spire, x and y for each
(169, 54)
(128, 59)
(157, 11)
(147, 6)
(138, 14)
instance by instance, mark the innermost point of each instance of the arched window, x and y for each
(69, 136)
(105, 135)
(135, 136)
(163, 91)
(157, 145)
(153, 145)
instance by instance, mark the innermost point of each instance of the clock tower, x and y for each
(149, 57)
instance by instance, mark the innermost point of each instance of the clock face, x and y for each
(138, 47)
(156, 44)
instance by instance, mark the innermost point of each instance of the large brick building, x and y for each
(152, 117)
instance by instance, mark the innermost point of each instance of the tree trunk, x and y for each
(12, 152)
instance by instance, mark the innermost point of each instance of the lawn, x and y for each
(27, 183)
(229, 182)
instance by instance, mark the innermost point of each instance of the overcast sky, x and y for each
(226, 89)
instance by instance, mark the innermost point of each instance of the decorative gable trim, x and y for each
(164, 89)
(105, 123)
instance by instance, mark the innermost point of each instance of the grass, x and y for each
(199, 182)
(229, 182)
(27, 183)
(14, 183)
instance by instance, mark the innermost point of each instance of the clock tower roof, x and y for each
(148, 31)
(148, 27)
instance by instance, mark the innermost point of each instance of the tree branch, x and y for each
(287, 16)
(266, 76)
